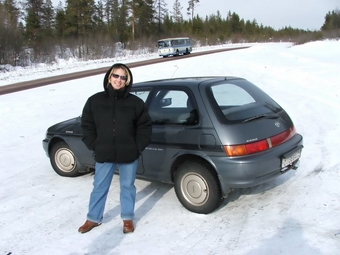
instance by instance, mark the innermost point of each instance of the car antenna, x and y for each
(174, 71)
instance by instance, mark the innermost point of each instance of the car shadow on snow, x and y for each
(259, 189)
(289, 239)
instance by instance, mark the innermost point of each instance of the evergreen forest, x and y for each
(35, 31)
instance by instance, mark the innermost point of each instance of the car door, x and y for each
(142, 93)
(174, 115)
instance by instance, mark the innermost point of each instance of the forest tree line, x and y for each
(36, 31)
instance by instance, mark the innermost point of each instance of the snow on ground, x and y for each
(297, 213)
(62, 66)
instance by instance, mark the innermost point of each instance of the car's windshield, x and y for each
(239, 100)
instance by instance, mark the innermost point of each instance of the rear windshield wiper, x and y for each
(266, 115)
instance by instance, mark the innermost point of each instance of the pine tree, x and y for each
(191, 8)
(332, 20)
(11, 39)
(60, 27)
(47, 30)
(142, 18)
(79, 23)
(177, 12)
(161, 12)
(116, 19)
(34, 26)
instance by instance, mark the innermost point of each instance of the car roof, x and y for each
(184, 81)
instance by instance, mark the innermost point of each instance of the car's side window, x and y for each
(172, 107)
(142, 94)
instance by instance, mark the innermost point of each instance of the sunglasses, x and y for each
(122, 77)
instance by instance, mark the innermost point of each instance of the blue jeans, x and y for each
(101, 184)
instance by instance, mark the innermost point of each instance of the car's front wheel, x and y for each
(63, 160)
(197, 187)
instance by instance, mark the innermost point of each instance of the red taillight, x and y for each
(250, 148)
(282, 137)
(257, 146)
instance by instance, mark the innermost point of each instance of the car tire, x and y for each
(197, 187)
(63, 160)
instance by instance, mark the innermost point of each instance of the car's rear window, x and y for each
(239, 100)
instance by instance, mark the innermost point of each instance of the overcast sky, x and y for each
(302, 14)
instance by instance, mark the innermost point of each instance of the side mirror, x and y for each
(166, 102)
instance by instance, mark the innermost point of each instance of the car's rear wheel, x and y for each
(63, 160)
(197, 187)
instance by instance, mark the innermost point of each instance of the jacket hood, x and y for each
(129, 81)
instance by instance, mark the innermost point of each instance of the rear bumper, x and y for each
(249, 171)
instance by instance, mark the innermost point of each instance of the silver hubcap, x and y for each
(195, 189)
(64, 159)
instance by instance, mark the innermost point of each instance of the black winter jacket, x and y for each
(116, 124)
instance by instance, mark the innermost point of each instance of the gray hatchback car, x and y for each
(209, 136)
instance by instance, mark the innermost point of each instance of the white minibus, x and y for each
(174, 46)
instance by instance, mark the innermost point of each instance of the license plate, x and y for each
(290, 158)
